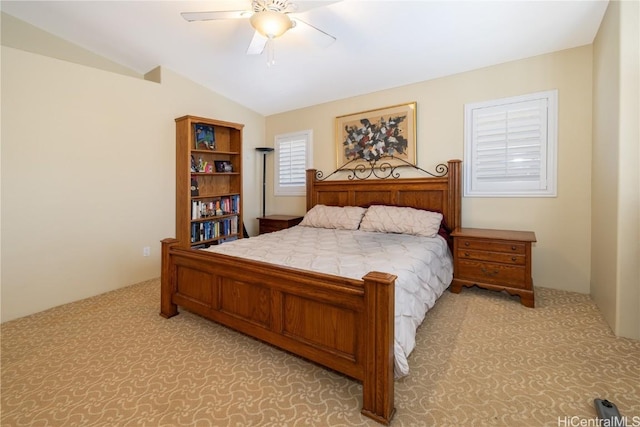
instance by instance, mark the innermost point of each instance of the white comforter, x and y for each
(423, 266)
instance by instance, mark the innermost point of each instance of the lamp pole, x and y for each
(264, 151)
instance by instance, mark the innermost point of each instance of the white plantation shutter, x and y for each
(510, 146)
(292, 160)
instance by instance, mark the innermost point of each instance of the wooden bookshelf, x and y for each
(208, 181)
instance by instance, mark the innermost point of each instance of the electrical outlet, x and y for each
(146, 251)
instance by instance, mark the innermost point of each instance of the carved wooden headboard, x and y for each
(437, 193)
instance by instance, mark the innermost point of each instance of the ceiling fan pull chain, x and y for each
(271, 58)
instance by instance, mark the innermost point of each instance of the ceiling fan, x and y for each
(270, 19)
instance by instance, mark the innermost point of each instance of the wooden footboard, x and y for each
(343, 324)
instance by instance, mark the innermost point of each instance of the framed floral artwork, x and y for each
(368, 135)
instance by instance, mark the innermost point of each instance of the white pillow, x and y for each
(394, 219)
(343, 218)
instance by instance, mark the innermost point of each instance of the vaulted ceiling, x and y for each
(379, 44)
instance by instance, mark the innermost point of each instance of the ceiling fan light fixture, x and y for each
(271, 24)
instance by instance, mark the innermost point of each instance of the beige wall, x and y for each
(88, 161)
(615, 271)
(562, 224)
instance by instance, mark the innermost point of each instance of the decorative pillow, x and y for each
(343, 218)
(394, 219)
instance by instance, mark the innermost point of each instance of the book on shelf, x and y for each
(227, 205)
(211, 230)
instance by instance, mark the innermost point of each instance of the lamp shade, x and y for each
(271, 24)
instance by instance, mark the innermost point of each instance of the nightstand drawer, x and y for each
(492, 245)
(269, 224)
(270, 228)
(485, 272)
(506, 258)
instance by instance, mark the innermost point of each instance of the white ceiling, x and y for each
(380, 44)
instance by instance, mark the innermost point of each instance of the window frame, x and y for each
(546, 186)
(292, 190)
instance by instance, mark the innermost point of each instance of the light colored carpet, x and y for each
(482, 359)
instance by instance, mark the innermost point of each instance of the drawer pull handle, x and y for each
(466, 243)
(489, 273)
(466, 254)
(513, 248)
(513, 258)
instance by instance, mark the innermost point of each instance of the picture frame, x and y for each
(367, 135)
(204, 137)
(223, 166)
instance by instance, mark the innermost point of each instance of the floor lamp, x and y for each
(264, 151)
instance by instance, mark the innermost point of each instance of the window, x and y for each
(511, 146)
(293, 158)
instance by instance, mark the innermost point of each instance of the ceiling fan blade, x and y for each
(258, 42)
(216, 15)
(303, 6)
(314, 34)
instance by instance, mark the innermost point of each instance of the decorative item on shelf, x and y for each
(209, 168)
(194, 165)
(223, 166)
(218, 208)
(368, 135)
(208, 210)
(205, 137)
(201, 164)
(264, 151)
(194, 187)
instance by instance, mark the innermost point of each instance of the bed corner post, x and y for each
(167, 286)
(377, 384)
(455, 199)
(311, 180)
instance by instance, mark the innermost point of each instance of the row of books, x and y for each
(215, 242)
(222, 206)
(208, 230)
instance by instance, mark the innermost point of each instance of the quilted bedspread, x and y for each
(423, 265)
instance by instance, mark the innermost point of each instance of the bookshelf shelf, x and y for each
(214, 173)
(214, 152)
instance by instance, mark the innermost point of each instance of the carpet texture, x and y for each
(481, 359)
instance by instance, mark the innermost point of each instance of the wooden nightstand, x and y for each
(272, 223)
(499, 260)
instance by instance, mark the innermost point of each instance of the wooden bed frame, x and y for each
(344, 324)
